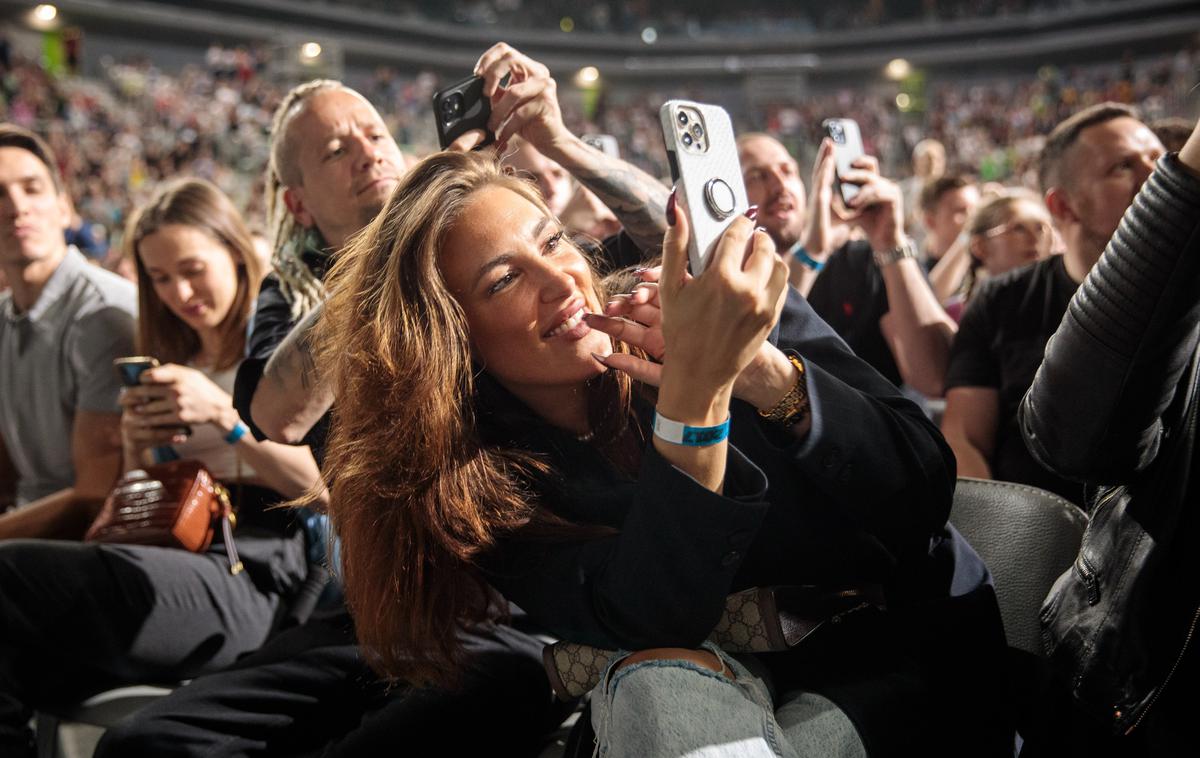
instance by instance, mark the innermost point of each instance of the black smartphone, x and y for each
(131, 368)
(460, 108)
(847, 148)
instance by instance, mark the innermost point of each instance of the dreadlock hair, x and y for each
(298, 284)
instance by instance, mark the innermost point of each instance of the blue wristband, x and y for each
(237, 432)
(689, 436)
(802, 255)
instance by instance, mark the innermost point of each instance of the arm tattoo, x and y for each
(637, 199)
(293, 363)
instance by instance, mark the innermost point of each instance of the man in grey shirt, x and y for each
(61, 325)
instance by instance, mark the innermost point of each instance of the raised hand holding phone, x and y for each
(702, 154)
(461, 112)
(847, 149)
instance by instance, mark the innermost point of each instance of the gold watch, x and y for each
(794, 405)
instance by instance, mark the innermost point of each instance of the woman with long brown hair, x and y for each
(197, 276)
(489, 433)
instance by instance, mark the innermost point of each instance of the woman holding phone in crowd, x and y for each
(197, 278)
(83, 617)
(489, 434)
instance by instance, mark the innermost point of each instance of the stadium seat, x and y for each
(1027, 537)
(73, 732)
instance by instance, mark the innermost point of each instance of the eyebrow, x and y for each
(504, 258)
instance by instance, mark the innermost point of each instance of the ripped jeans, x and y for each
(674, 708)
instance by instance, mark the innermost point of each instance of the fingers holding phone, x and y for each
(879, 202)
(523, 97)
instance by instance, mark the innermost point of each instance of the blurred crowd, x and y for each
(513, 365)
(117, 136)
(703, 17)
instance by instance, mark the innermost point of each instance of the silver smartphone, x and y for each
(605, 143)
(702, 152)
(847, 148)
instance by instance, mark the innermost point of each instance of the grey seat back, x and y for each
(1028, 537)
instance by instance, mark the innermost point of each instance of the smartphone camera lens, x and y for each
(697, 131)
(682, 117)
(687, 139)
(452, 107)
(836, 133)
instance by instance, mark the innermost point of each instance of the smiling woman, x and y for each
(489, 437)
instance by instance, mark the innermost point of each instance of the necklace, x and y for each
(586, 436)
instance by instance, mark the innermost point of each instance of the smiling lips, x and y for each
(571, 322)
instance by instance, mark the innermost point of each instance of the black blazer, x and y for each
(863, 498)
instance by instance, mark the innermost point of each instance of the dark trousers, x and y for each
(309, 693)
(76, 619)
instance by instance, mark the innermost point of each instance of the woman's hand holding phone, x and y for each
(170, 399)
(709, 329)
(636, 319)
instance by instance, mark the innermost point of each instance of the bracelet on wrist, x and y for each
(793, 406)
(237, 432)
(801, 254)
(678, 433)
(906, 249)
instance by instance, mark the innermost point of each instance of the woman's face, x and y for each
(524, 289)
(193, 274)
(1024, 238)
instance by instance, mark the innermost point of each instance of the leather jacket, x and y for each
(1114, 405)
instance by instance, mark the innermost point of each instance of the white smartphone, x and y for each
(847, 148)
(605, 143)
(702, 152)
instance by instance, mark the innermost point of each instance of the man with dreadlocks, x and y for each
(332, 166)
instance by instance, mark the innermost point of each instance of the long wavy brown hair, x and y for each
(416, 493)
(200, 205)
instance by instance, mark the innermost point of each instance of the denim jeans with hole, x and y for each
(672, 708)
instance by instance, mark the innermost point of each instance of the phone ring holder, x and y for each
(720, 198)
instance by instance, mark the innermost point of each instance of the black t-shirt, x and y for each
(850, 296)
(1001, 340)
(271, 323)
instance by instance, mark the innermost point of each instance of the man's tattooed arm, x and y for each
(638, 200)
(291, 397)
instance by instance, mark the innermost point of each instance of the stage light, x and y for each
(903, 101)
(310, 51)
(587, 76)
(45, 13)
(649, 35)
(897, 69)
(567, 24)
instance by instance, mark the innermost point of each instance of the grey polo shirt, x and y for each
(56, 359)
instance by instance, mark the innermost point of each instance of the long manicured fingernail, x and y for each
(752, 212)
(599, 359)
(762, 229)
(670, 212)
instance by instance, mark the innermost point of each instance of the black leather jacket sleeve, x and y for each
(1094, 412)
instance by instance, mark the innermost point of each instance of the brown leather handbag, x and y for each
(175, 504)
